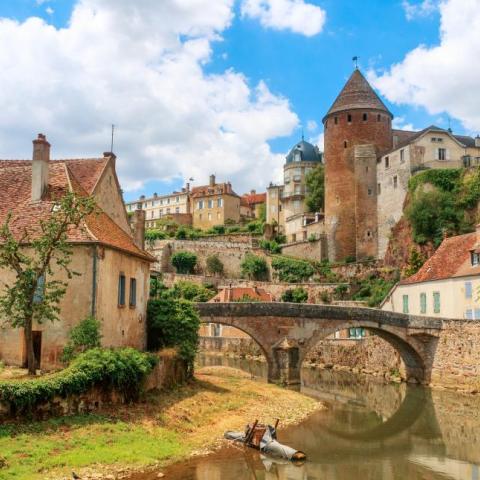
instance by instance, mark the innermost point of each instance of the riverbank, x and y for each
(167, 427)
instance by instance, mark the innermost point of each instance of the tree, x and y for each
(295, 295)
(416, 259)
(254, 267)
(35, 293)
(315, 180)
(84, 336)
(214, 265)
(184, 262)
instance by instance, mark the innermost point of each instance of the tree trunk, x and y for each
(31, 364)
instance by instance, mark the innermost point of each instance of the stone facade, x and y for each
(308, 250)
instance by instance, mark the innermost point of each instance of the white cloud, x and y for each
(400, 124)
(319, 140)
(294, 15)
(139, 65)
(443, 78)
(419, 10)
(50, 10)
(312, 125)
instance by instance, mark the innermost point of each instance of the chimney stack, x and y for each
(40, 161)
(138, 224)
(477, 141)
(212, 180)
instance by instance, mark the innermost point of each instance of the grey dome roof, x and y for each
(308, 153)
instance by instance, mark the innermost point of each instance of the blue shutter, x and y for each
(468, 289)
(423, 302)
(40, 290)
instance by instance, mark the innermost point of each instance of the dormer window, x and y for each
(297, 156)
(475, 258)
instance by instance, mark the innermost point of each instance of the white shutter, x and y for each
(437, 156)
(447, 153)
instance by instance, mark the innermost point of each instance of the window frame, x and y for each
(122, 286)
(132, 296)
(423, 302)
(405, 303)
(436, 302)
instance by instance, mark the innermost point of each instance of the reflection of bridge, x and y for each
(286, 332)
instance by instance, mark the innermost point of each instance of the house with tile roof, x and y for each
(114, 268)
(447, 285)
(251, 204)
(413, 152)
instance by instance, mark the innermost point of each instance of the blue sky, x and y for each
(306, 71)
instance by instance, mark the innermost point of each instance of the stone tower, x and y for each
(358, 129)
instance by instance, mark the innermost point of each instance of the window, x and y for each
(475, 258)
(177, 199)
(168, 210)
(468, 289)
(335, 120)
(349, 118)
(152, 214)
(387, 162)
(395, 181)
(442, 153)
(297, 156)
(436, 302)
(379, 188)
(402, 155)
(423, 302)
(161, 201)
(145, 205)
(40, 290)
(133, 292)
(200, 204)
(177, 209)
(469, 314)
(356, 333)
(345, 144)
(209, 216)
(161, 212)
(365, 117)
(477, 314)
(210, 204)
(379, 117)
(121, 290)
(220, 202)
(405, 303)
(370, 192)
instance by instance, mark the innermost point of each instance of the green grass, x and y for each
(75, 442)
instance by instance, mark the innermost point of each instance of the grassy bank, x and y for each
(168, 427)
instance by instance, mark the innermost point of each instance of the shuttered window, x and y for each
(40, 290)
(121, 290)
(423, 302)
(405, 304)
(436, 302)
(468, 289)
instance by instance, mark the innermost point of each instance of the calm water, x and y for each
(370, 431)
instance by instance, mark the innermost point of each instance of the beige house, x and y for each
(413, 152)
(448, 284)
(115, 270)
(214, 204)
(175, 206)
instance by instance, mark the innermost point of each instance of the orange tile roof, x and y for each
(452, 259)
(234, 294)
(254, 198)
(78, 175)
(205, 190)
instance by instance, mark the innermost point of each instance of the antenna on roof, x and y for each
(303, 139)
(449, 126)
(113, 131)
(355, 60)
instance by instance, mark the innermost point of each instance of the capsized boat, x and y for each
(264, 438)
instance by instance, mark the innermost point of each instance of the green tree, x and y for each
(254, 267)
(84, 336)
(184, 262)
(262, 212)
(35, 293)
(214, 265)
(415, 261)
(295, 295)
(315, 181)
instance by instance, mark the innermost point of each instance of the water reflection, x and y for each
(370, 431)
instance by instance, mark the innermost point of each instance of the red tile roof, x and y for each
(217, 189)
(79, 175)
(235, 294)
(452, 259)
(254, 198)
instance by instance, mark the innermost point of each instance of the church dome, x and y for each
(304, 152)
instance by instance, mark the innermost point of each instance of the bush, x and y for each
(270, 246)
(255, 227)
(350, 259)
(217, 230)
(189, 291)
(120, 369)
(84, 336)
(312, 238)
(233, 229)
(444, 179)
(292, 270)
(415, 261)
(373, 290)
(254, 267)
(173, 322)
(214, 265)
(295, 295)
(184, 262)
(325, 297)
(152, 235)
(340, 291)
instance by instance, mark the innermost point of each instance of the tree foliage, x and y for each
(84, 336)
(295, 295)
(292, 270)
(315, 181)
(35, 293)
(415, 261)
(214, 265)
(254, 267)
(184, 262)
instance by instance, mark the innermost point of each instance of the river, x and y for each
(369, 431)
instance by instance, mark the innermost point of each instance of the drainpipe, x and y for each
(94, 282)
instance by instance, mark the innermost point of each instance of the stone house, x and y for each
(447, 285)
(251, 204)
(113, 285)
(214, 204)
(413, 152)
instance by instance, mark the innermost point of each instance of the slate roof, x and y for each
(78, 175)
(452, 259)
(308, 152)
(356, 94)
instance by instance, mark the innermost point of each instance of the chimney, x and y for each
(40, 161)
(110, 155)
(253, 192)
(138, 224)
(477, 141)
(212, 181)
(187, 187)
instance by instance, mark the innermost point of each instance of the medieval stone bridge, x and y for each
(287, 331)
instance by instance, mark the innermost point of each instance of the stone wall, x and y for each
(316, 250)
(237, 346)
(169, 371)
(315, 290)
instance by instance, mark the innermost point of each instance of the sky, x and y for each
(196, 87)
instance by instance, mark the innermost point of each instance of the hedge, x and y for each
(120, 369)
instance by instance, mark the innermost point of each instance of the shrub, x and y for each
(312, 238)
(152, 235)
(254, 267)
(84, 336)
(173, 322)
(120, 369)
(233, 229)
(415, 261)
(255, 227)
(218, 229)
(340, 291)
(214, 265)
(190, 291)
(350, 259)
(184, 262)
(373, 290)
(292, 270)
(325, 297)
(181, 234)
(270, 246)
(295, 295)
(444, 179)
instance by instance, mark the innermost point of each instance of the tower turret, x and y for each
(358, 128)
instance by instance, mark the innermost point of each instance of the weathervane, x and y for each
(355, 59)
